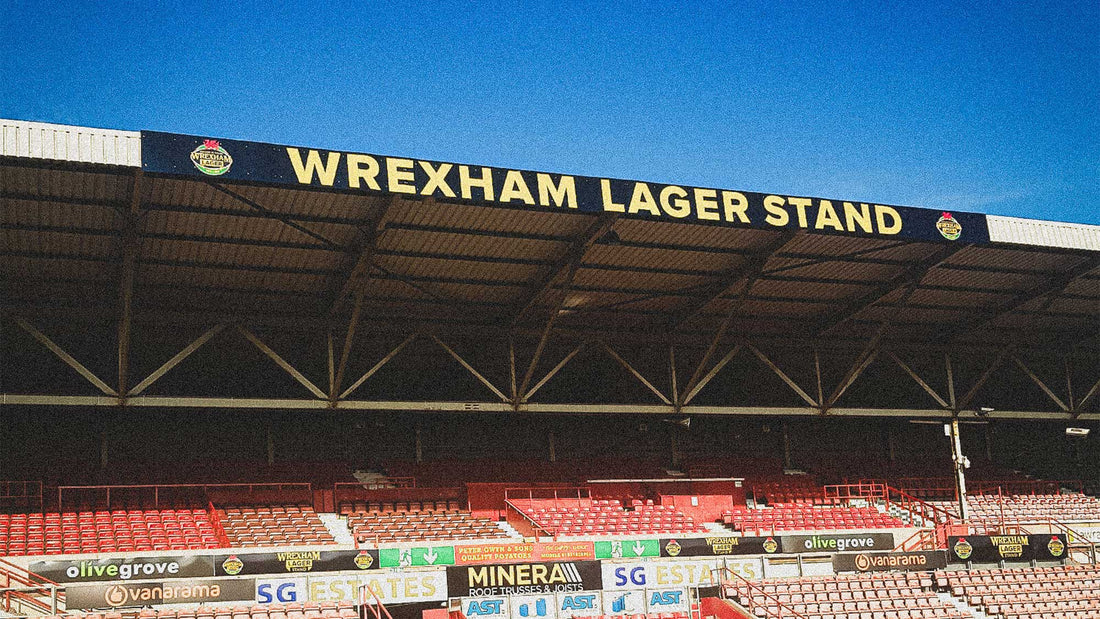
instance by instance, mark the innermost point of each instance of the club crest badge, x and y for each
(211, 158)
(949, 227)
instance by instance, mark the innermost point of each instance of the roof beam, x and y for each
(1052, 287)
(67, 358)
(749, 271)
(909, 279)
(130, 245)
(750, 268)
(566, 266)
(363, 259)
(288, 221)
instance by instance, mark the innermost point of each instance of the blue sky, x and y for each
(965, 106)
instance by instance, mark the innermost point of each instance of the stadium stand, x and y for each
(798, 517)
(887, 595)
(582, 517)
(1069, 591)
(273, 525)
(106, 531)
(379, 527)
(989, 512)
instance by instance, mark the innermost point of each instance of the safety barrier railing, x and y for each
(773, 608)
(930, 515)
(216, 523)
(378, 609)
(871, 491)
(21, 496)
(273, 492)
(22, 589)
(514, 515)
(922, 539)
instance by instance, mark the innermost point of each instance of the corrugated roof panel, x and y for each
(785, 308)
(981, 279)
(70, 143)
(834, 244)
(612, 280)
(469, 245)
(454, 215)
(1014, 259)
(1043, 233)
(465, 269)
(923, 296)
(57, 214)
(690, 234)
(822, 291)
(843, 271)
(52, 268)
(1085, 286)
(944, 317)
(1083, 306)
(619, 255)
(107, 187)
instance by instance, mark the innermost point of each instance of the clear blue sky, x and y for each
(967, 106)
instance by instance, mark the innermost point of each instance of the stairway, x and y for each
(338, 527)
(962, 605)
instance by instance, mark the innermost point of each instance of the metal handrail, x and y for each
(378, 610)
(768, 610)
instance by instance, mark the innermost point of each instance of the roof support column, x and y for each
(130, 243)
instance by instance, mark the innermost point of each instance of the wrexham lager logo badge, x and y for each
(949, 227)
(232, 565)
(363, 560)
(210, 158)
(963, 549)
(1055, 546)
(770, 545)
(673, 548)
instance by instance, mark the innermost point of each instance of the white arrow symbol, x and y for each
(639, 548)
(430, 556)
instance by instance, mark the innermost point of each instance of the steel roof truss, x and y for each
(66, 357)
(470, 369)
(783, 376)
(920, 381)
(705, 380)
(635, 373)
(282, 363)
(274, 215)
(378, 366)
(909, 278)
(175, 360)
(553, 371)
(1001, 356)
(1095, 388)
(364, 253)
(1040, 383)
